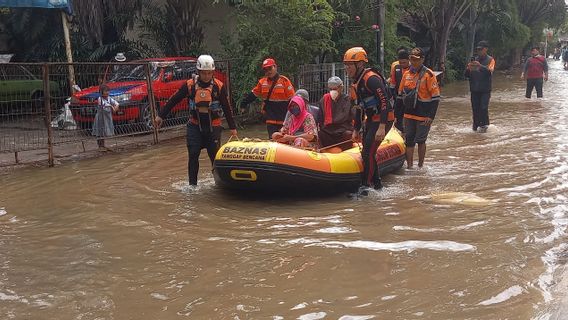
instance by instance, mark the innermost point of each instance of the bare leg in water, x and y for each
(409, 157)
(421, 154)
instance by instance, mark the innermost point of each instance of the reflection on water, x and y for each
(479, 233)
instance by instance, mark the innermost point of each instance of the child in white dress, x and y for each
(103, 125)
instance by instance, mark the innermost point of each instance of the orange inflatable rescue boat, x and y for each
(267, 166)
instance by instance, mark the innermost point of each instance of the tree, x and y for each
(536, 13)
(497, 22)
(353, 27)
(301, 32)
(36, 35)
(105, 22)
(439, 17)
(174, 27)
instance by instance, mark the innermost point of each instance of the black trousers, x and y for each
(399, 114)
(480, 108)
(196, 140)
(534, 83)
(271, 128)
(371, 174)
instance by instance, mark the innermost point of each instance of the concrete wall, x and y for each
(216, 19)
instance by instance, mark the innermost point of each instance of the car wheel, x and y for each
(145, 119)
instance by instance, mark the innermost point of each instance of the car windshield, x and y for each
(132, 73)
(9, 71)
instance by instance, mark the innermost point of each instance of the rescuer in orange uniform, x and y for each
(275, 91)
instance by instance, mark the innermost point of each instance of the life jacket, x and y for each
(372, 101)
(204, 100)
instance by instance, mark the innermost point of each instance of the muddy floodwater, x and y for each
(479, 233)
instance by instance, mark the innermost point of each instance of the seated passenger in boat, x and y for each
(300, 128)
(337, 113)
(314, 110)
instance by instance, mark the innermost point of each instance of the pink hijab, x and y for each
(297, 121)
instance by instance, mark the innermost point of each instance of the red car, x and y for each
(129, 88)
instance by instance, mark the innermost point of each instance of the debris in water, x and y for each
(465, 198)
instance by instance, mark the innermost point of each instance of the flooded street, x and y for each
(479, 233)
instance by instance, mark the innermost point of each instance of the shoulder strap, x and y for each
(219, 83)
(369, 73)
(420, 76)
(216, 86)
(191, 88)
(271, 89)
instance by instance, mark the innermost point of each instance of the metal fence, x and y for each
(313, 78)
(55, 104)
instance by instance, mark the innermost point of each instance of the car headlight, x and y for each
(123, 97)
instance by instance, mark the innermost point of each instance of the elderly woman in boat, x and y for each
(300, 129)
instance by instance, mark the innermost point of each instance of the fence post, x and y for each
(47, 117)
(151, 100)
(333, 69)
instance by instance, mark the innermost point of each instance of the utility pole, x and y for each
(380, 33)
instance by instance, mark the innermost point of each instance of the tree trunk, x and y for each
(470, 35)
(516, 56)
(444, 37)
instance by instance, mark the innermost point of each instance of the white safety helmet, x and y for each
(205, 62)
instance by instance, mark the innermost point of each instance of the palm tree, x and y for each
(175, 27)
(105, 23)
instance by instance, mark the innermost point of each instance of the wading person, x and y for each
(299, 129)
(479, 71)
(208, 100)
(373, 100)
(536, 72)
(103, 125)
(398, 68)
(337, 113)
(421, 96)
(275, 91)
(565, 57)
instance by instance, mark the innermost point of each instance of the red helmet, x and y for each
(269, 62)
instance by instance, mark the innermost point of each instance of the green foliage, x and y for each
(349, 31)
(301, 32)
(504, 31)
(37, 35)
(106, 21)
(175, 28)
(455, 64)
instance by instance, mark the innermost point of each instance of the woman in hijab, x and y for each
(300, 128)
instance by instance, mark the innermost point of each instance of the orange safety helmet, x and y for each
(355, 54)
(268, 63)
